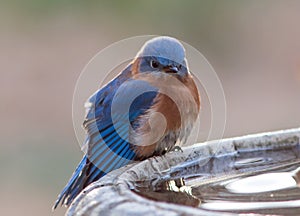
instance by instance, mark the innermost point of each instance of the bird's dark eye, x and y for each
(179, 67)
(154, 64)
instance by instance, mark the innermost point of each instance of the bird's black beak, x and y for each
(171, 69)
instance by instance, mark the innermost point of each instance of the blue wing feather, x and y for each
(108, 145)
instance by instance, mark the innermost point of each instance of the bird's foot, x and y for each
(177, 148)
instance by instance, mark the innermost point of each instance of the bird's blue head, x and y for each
(163, 55)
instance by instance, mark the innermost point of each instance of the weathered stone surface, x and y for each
(112, 195)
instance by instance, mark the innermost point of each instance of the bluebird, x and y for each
(145, 111)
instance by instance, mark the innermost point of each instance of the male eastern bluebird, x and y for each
(145, 111)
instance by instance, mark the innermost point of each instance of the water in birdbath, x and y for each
(256, 181)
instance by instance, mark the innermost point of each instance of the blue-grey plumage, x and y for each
(121, 121)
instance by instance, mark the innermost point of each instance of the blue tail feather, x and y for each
(74, 185)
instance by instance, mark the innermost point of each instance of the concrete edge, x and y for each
(111, 195)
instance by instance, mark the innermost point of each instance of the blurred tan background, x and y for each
(254, 47)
